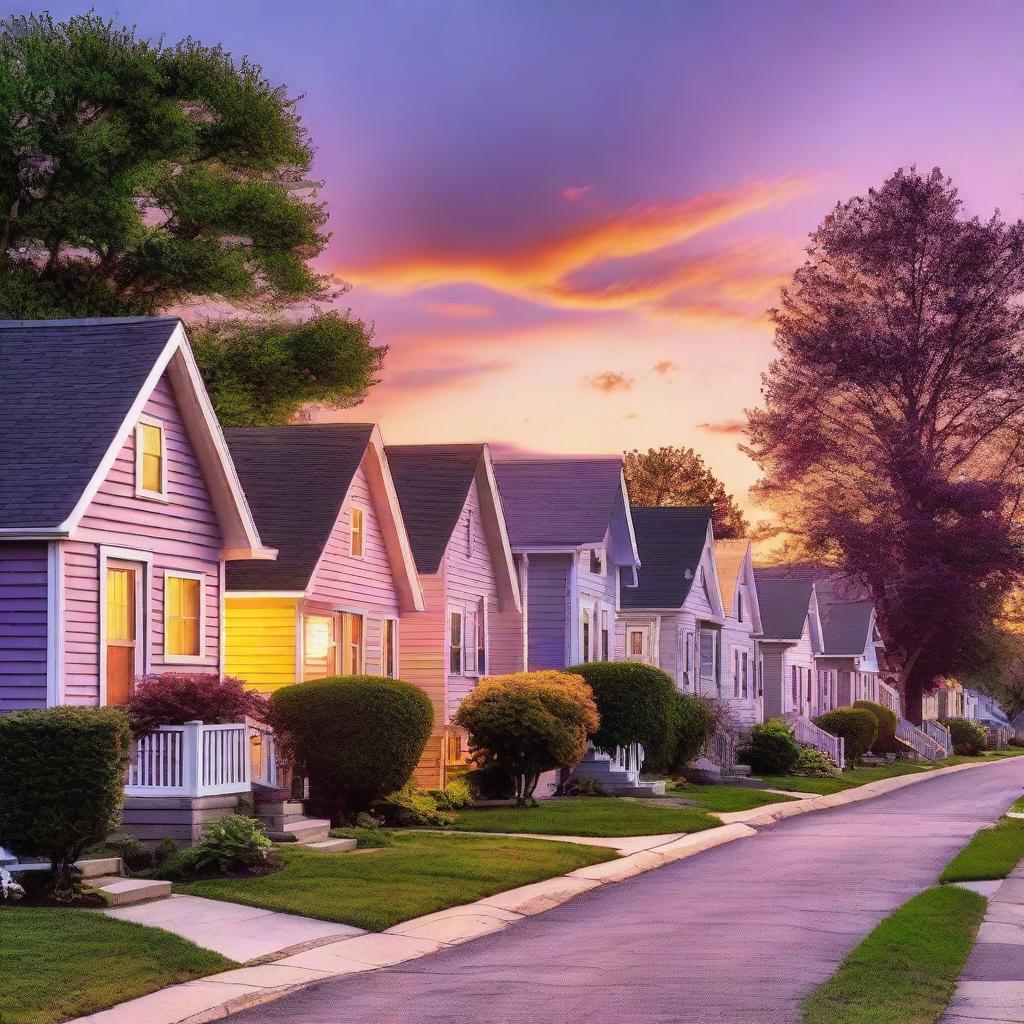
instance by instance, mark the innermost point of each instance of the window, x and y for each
(585, 635)
(183, 607)
(357, 537)
(597, 562)
(469, 655)
(351, 644)
(707, 654)
(481, 637)
(455, 643)
(688, 656)
(605, 636)
(795, 686)
(735, 672)
(808, 685)
(469, 533)
(739, 605)
(150, 460)
(389, 648)
(636, 643)
(320, 647)
(744, 676)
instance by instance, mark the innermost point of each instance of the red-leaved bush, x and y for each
(171, 698)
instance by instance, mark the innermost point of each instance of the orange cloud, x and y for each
(574, 192)
(665, 367)
(459, 310)
(724, 427)
(609, 382)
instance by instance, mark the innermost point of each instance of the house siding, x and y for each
(23, 622)
(181, 533)
(548, 581)
(599, 593)
(778, 676)
(260, 641)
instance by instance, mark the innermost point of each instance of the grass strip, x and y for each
(717, 798)
(992, 853)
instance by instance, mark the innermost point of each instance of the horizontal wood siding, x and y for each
(598, 593)
(181, 533)
(548, 581)
(423, 654)
(23, 617)
(259, 643)
(773, 689)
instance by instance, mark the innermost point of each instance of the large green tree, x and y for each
(139, 178)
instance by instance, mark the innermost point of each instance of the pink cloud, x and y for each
(664, 367)
(723, 427)
(609, 382)
(575, 192)
(459, 310)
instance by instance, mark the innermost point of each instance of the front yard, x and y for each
(992, 853)
(418, 874)
(59, 964)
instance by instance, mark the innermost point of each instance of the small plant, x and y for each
(857, 727)
(234, 842)
(172, 698)
(581, 787)
(366, 820)
(814, 763)
(969, 738)
(770, 749)
(409, 807)
(455, 796)
(10, 890)
(165, 849)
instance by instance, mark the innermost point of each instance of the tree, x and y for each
(139, 178)
(679, 476)
(891, 433)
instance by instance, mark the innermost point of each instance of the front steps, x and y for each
(598, 767)
(285, 821)
(126, 892)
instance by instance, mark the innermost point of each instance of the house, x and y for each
(120, 507)
(741, 631)
(571, 533)
(471, 620)
(331, 603)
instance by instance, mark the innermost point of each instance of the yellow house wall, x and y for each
(259, 643)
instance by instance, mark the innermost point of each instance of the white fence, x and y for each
(939, 733)
(889, 697)
(919, 741)
(263, 754)
(192, 760)
(805, 731)
(720, 748)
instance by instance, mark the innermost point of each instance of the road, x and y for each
(737, 935)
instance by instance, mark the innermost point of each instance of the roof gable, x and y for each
(784, 604)
(734, 559)
(671, 543)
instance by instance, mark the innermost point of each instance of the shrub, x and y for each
(130, 850)
(886, 721)
(172, 698)
(455, 796)
(62, 772)
(167, 847)
(1015, 741)
(529, 723)
(355, 737)
(233, 843)
(857, 727)
(582, 787)
(694, 721)
(814, 763)
(408, 807)
(770, 749)
(491, 783)
(634, 702)
(968, 737)
(10, 890)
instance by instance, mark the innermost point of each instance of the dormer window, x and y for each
(357, 535)
(150, 459)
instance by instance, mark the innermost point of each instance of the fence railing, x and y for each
(626, 759)
(939, 733)
(805, 731)
(191, 760)
(889, 697)
(262, 754)
(999, 736)
(720, 748)
(919, 741)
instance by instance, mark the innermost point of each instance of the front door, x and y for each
(122, 631)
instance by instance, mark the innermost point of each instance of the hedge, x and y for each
(968, 737)
(857, 727)
(770, 749)
(886, 720)
(62, 773)
(355, 737)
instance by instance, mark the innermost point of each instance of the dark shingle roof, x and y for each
(296, 479)
(65, 389)
(550, 502)
(846, 628)
(670, 542)
(783, 605)
(432, 481)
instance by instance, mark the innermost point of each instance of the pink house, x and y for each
(120, 507)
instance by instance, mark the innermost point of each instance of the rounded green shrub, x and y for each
(355, 737)
(770, 749)
(857, 727)
(886, 720)
(62, 773)
(815, 764)
(969, 737)
(635, 702)
(692, 722)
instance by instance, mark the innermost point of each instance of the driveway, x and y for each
(736, 935)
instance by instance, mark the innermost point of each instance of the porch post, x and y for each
(192, 757)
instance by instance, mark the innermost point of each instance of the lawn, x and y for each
(992, 853)
(586, 816)
(59, 964)
(905, 971)
(724, 798)
(1018, 805)
(418, 874)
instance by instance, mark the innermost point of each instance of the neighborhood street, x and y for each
(739, 934)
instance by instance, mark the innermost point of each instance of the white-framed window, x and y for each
(389, 648)
(708, 665)
(606, 633)
(184, 616)
(353, 632)
(481, 637)
(469, 533)
(795, 685)
(469, 648)
(689, 656)
(357, 533)
(597, 561)
(319, 646)
(744, 674)
(735, 671)
(455, 641)
(636, 643)
(150, 459)
(585, 633)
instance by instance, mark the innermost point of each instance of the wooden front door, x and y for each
(122, 632)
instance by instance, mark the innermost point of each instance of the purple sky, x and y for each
(567, 218)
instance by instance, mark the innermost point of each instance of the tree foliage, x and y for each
(679, 476)
(138, 178)
(891, 430)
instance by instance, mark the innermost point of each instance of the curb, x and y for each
(217, 996)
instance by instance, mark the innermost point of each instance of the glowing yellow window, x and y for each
(358, 536)
(182, 615)
(150, 440)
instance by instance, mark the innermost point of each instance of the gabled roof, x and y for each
(670, 541)
(784, 605)
(297, 478)
(563, 502)
(71, 391)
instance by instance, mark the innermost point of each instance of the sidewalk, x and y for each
(990, 989)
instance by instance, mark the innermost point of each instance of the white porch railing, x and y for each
(919, 741)
(889, 697)
(805, 731)
(999, 736)
(939, 733)
(191, 760)
(263, 754)
(720, 748)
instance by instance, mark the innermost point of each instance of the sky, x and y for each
(568, 219)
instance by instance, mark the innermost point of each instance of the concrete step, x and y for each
(101, 866)
(270, 808)
(642, 789)
(307, 831)
(125, 892)
(334, 845)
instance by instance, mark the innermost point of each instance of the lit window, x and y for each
(150, 469)
(352, 644)
(636, 643)
(389, 652)
(455, 643)
(320, 647)
(357, 537)
(585, 641)
(182, 612)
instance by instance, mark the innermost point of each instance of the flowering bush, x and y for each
(814, 763)
(9, 888)
(171, 698)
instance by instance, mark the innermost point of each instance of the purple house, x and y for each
(120, 507)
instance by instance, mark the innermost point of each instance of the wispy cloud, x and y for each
(459, 310)
(665, 367)
(429, 378)
(609, 382)
(723, 427)
(575, 192)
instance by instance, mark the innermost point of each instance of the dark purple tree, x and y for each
(891, 433)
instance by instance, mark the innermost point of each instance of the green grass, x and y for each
(1018, 805)
(418, 874)
(586, 816)
(992, 853)
(848, 780)
(905, 971)
(724, 798)
(59, 964)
